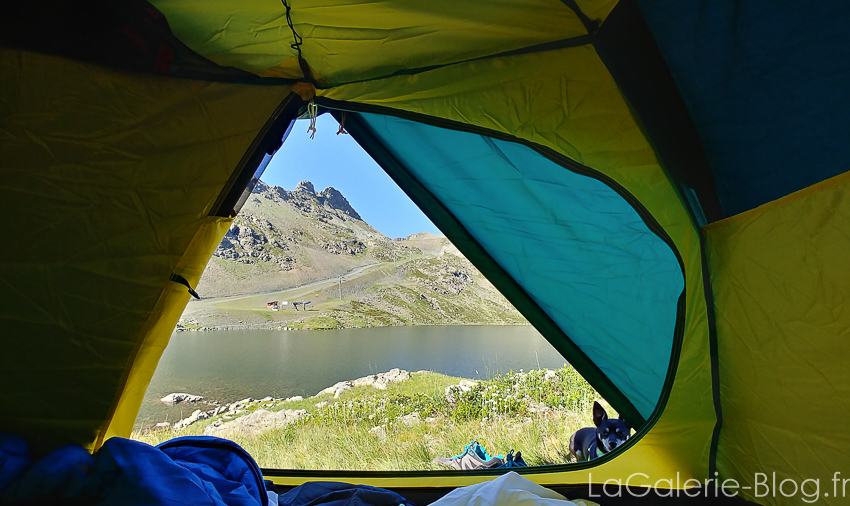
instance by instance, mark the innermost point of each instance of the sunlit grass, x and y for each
(408, 425)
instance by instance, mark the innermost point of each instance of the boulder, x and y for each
(197, 415)
(379, 432)
(381, 380)
(337, 389)
(462, 386)
(257, 422)
(538, 407)
(237, 404)
(177, 398)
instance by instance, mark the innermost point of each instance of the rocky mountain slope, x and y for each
(283, 239)
(308, 245)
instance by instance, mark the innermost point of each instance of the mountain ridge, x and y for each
(305, 237)
(308, 245)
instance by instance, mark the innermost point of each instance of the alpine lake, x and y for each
(229, 365)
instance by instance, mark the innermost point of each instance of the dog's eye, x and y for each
(605, 432)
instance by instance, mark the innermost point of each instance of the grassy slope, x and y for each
(424, 291)
(521, 411)
(304, 234)
(421, 280)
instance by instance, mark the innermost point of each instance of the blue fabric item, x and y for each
(574, 245)
(60, 475)
(189, 471)
(219, 461)
(513, 460)
(14, 458)
(327, 493)
(766, 86)
(133, 473)
(477, 449)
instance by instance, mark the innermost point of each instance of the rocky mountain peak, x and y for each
(305, 194)
(304, 186)
(332, 198)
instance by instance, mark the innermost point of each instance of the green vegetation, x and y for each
(410, 423)
(293, 246)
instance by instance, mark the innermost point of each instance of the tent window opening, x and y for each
(339, 329)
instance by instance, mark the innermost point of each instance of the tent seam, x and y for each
(156, 313)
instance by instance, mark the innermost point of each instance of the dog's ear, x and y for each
(599, 414)
(625, 422)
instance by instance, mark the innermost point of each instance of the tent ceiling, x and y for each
(351, 41)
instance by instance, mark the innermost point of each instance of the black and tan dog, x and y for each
(590, 443)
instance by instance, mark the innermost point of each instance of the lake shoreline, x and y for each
(378, 381)
(231, 365)
(405, 426)
(189, 326)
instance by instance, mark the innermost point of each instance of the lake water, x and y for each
(231, 365)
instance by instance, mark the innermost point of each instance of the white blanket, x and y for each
(509, 489)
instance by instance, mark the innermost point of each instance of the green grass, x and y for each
(321, 323)
(370, 429)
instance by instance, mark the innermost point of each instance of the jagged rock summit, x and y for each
(304, 193)
(283, 238)
(303, 186)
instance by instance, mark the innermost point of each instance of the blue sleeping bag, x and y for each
(193, 470)
(190, 470)
(330, 493)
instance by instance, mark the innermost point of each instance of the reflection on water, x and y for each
(230, 365)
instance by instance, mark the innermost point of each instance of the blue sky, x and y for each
(338, 161)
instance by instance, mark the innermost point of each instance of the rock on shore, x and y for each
(177, 398)
(261, 419)
(464, 386)
(255, 423)
(197, 415)
(378, 381)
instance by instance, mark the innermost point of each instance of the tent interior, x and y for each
(658, 188)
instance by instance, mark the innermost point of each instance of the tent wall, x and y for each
(566, 101)
(527, 71)
(575, 243)
(112, 182)
(164, 316)
(766, 85)
(109, 179)
(781, 284)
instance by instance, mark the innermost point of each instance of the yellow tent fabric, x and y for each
(781, 284)
(111, 181)
(530, 95)
(374, 40)
(108, 179)
(581, 130)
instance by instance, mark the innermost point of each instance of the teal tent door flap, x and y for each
(581, 251)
